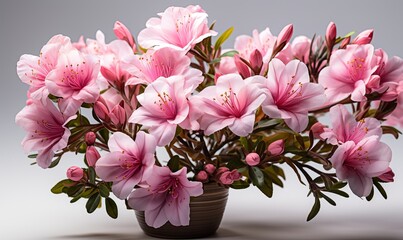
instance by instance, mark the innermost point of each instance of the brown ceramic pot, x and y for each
(206, 212)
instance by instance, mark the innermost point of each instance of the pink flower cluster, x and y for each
(175, 89)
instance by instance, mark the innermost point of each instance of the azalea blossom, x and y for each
(164, 62)
(33, 70)
(349, 73)
(231, 103)
(346, 128)
(74, 79)
(359, 162)
(177, 27)
(167, 198)
(128, 163)
(163, 107)
(46, 131)
(290, 95)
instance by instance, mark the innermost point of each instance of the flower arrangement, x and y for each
(233, 117)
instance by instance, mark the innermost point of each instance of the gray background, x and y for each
(29, 211)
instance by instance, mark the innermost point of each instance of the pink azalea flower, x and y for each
(33, 70)
(75, 173)
(74, 79)
(179, 28)
(128, 163)
(349, 73)
(346, 128)
(163, 107)
(164, 62)
(395, 118)
(45, 126)
(231, 103)
(359, 162)
(167, 198)
(290, 95)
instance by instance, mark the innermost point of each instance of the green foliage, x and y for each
(223, 37)
(111, 208)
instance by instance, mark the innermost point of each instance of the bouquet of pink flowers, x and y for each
(234, 117)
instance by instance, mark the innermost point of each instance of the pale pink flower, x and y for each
(290, 95)
(33, 70)
(276, 148)
(395, 118)
(177, 27)
(167, 198)
(74, 79)
(300, 48)
(364, 37)
(163, 107)
(164, 62)
(128, 163)
(95, 46)
(349, 72)
(359, 162)
(231, 103)
(252, 159)
(317, 129)
(46, 131)
(346, 128)
(75, 173)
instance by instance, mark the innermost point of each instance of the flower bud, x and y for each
(101, 110)
(123, 33)
(345, 42)
(228, 178)
(252, 159)
(118, 115)
(221, 170)
(210, 168)
(331, 33)
(387, 176)
(256, 61)
(92, 155)
(242, 68)
(317, 129)
(202, 176)
(364, 37)
(75, 173)
(284, 36)
(276, 148)
(90, 138)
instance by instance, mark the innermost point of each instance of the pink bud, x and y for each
(210, 168)
(202, 176)
(108, 74)
(387, 176)
(101, 110)
(235, 175)
(364, 37)
(252, 159)
(256, 61)
(331, 33)
(276, 148)
(123, 33)
(90, 138)
(75, 173)
(317, 129)
(242, 68)
(118, 115)
(221, 170)
(92, 156)
(285, 35)
(345, 42)
(226, 178)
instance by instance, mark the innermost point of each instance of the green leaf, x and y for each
(391, 130)
(91, 175)
(224, 36)
(380, 189)
(262, 181)
(75, 191)
(261, 148)
(229, 53)
(339, 185)
(111, 208)
(371, 195)
(55, 162)
(328, 199)
(75, 199)
(315, 209)
(239, 185)
(93, 202)
(340, 192)
(103, 190)
(33, 155)
(58, 188)
(174, 163)
(104, 134)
